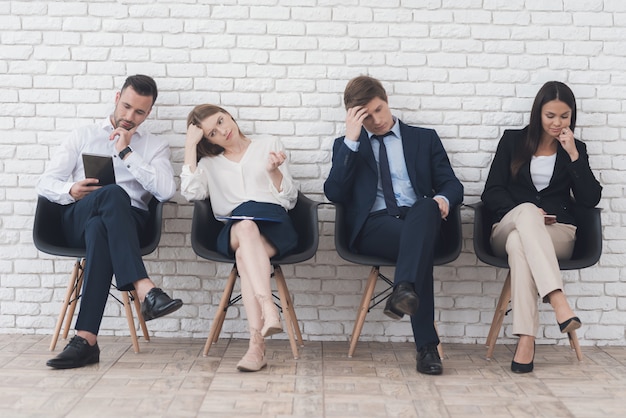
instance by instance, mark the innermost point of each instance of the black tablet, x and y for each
(99, 167)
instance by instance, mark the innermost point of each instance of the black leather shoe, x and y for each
(523, 367)
(77, 353)
(391, 312)
(157, 303)
(428, 360)
(403, 300)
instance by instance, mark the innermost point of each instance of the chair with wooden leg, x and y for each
(48, 238)
(447, 249)
(587, 251)
(204, 231)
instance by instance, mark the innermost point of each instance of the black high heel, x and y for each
(521, 367)
(570, 325)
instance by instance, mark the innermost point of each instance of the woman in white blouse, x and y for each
(243, 177)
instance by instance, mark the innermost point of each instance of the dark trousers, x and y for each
(106, 224)
(410, 241)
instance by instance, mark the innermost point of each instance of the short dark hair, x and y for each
(361, 90)
(143, 85)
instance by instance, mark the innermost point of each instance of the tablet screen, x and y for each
(99, 167)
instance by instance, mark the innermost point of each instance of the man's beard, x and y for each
(119, 122)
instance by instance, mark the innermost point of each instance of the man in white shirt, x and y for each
(107, 219)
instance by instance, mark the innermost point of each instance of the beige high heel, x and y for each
(270, 317)
(254, 359)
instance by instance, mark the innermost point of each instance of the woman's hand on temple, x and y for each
(194, 135)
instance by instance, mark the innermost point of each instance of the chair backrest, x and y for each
(151, 236)
(587, 249)
(447, 248)
(205, 229)
(49, 238)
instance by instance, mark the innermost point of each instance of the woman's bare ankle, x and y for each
(561, 307)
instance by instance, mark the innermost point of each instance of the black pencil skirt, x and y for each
(273, 222)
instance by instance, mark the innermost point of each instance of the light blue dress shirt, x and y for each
(402, 187)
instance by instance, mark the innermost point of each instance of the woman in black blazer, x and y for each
(537, 175)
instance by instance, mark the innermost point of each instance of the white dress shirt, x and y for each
(145, 172)
(230, 183)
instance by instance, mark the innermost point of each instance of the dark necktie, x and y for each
(385, 177)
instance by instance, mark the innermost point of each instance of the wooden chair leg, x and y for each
(131, 321)
(220, 315)
(573, 342)
(363, 308)
(294, 318)
(220, 323)
(291, 321)
(72, 308)
(142, 322)
(69, 293)
(498, 316)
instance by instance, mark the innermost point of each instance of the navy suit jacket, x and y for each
(353, 177)
(503, 192)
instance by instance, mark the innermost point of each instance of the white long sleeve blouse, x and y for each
(230, 183)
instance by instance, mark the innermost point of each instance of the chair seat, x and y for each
(587, 251)
(446, 250)
(49, 238)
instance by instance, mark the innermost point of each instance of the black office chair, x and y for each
(447, 249)
(204, 231)
(587, 251)
(49, 238)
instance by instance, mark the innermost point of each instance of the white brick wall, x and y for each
(469, 69)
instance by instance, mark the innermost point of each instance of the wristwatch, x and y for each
(125, 151)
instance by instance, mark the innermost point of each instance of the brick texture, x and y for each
(467, 69)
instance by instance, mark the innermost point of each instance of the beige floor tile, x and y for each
(171, 378)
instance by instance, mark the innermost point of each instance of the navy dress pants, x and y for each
(409, 240)
(106, 224)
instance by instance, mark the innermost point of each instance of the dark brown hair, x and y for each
(552, 90)
(143, 85)
(361, 90)
(195, 117)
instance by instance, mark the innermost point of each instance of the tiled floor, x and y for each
(171, 378)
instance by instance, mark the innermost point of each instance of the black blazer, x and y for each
(353, 177)
(503, 192)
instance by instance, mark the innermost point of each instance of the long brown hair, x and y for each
(552, 90)
(195, 117)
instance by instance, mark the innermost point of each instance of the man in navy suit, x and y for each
(397, 185)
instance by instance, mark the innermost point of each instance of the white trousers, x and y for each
(533, 249)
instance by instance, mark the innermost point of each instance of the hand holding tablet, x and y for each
(99, 167)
